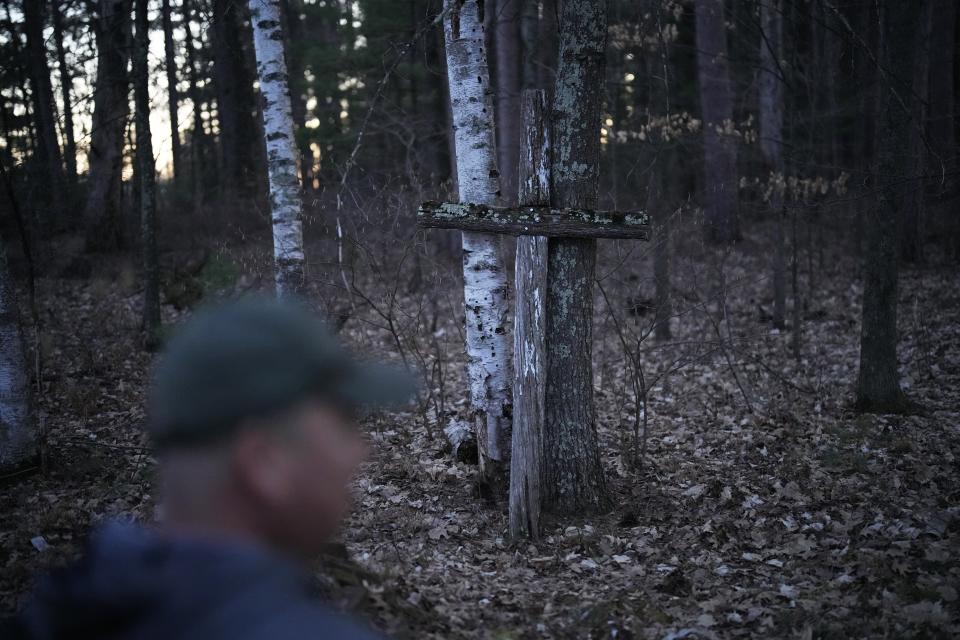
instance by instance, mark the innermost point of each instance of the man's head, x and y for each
(252, 413)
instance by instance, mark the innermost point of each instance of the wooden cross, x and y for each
(533, 222)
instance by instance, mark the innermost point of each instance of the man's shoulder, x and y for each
(306, 619)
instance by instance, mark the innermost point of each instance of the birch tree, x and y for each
(485, 286)
(286, 204)
(18, 438)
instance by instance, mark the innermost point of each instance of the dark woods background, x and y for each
(371, 112)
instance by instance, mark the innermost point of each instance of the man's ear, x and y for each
(259, 465)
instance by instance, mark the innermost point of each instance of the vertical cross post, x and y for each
(529, 326)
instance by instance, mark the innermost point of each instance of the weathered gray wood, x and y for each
(529, 327)
(539, 220)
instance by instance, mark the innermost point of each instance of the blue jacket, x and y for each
(133, 584)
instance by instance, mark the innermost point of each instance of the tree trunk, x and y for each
(440, 131)
(48, 159)
(661, 255)
(199, 172)
(170, 62)
(111, 106)
(914, 205)
(147, 179)
(869, 94)
(659, 87)
(66, 86)
(529, 327)
(18, 436)
(770, 92)
(716, 104)
(507, 51)
(547, 47)
(941, 132)
(573, 475)
(484, 277)
(878, 386)
(233, 81)
(298, 104)
(529, 26)
(286, 204)
(941, 90)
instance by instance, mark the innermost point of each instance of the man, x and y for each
(251, 414)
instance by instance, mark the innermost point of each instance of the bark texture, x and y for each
(529, 327)
(716, 105)
(878, 385)
(286, 203)
(770, 96)
(507, 51)
(111, 107)
(146, 174)
(485, 286)
(540, 220)
(573, 475)
(18, 437)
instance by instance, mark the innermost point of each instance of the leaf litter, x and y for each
(797, 518)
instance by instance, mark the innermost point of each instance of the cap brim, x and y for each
(374, 386)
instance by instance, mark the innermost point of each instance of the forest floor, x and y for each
(763, 506)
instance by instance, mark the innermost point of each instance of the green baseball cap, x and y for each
(251, 358)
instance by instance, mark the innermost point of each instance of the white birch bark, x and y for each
(485, 286)
(18, 438)
(286, 204)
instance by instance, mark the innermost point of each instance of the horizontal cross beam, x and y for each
(535, 221)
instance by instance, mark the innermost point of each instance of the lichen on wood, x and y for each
(535, 220)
